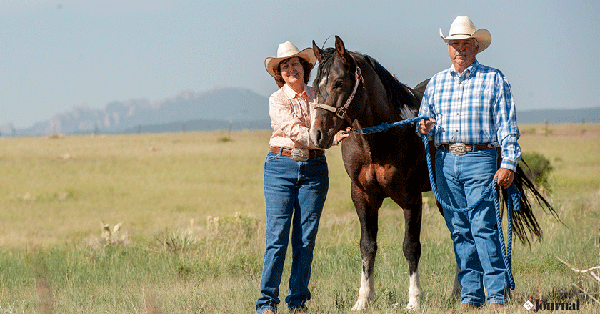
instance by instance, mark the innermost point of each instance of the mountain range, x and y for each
(217, 109)
(207, 110)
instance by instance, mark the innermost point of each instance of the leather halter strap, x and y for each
(341, 111)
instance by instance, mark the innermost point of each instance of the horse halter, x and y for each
(341, 111)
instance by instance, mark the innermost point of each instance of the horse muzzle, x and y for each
(320, 138)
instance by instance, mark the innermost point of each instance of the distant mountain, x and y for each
(230, 105)
(217, 109)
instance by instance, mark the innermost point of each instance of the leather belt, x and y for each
(461, 148)
(312, 153)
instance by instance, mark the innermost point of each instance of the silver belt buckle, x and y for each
(458, 149)
(300, 154)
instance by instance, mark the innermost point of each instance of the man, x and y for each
(472, 113)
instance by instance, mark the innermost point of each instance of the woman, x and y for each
(296, 180)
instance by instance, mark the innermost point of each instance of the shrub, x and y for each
(537, 168)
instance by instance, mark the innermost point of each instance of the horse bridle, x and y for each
(341, 111)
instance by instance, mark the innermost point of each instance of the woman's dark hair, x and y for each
(305, 64)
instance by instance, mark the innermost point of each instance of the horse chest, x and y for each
(376, 174)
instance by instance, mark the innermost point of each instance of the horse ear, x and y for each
(340, 49)
(317, 51)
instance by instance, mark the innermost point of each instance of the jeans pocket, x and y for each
(489, 152)
(271, 156)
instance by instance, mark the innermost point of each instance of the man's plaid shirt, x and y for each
(475, 107)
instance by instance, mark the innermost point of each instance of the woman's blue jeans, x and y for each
(295, 193)
(461, 180)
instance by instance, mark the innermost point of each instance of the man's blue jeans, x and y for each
(295, 193)
(461, 181)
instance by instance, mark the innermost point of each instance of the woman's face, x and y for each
(292, 71)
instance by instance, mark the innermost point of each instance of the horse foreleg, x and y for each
(412, 251)
(367, 286)
(368, 216)
(368, 251)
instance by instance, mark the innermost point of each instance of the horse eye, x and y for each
(338, 84)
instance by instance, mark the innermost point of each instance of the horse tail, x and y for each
(525, 225)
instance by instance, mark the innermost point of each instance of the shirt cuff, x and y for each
(508, 164)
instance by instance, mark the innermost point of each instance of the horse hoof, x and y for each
(413, 305)
(414, 302)
(360, 305)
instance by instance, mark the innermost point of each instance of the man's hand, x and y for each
(505, 177)
(426, 125)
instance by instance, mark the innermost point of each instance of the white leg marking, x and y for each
(365, 294)
(414, 292)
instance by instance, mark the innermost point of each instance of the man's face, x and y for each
(462, 53)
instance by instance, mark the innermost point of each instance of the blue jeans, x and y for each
(461, 180)
(294, 197)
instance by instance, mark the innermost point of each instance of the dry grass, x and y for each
(172, 254)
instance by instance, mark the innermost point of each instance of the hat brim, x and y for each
(306, 54)
(483, 37)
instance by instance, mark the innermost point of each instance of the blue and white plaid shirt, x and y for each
(475, 107)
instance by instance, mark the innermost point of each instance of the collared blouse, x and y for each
(291, 114)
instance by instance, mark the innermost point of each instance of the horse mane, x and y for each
(402, 98)
(400, 95)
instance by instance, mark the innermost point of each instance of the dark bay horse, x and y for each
(387, 164)
(354, 90)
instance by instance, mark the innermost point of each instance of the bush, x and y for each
(537, 168)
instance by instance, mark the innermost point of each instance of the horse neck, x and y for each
(377, 108)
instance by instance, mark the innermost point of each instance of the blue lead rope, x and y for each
(386, 126)
(513, 203)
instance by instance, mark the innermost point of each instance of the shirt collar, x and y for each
(469, 71)
(290, 93)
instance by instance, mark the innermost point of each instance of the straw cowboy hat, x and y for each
(463, 28)
(288, 50)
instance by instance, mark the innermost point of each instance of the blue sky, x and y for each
(55, 55)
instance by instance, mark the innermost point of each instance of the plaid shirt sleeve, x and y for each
(426, 110)
(506, 122)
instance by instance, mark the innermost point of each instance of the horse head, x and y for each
(338, 96)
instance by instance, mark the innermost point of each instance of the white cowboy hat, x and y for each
(463, 28)
(288, 50)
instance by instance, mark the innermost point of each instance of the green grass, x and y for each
(173, 254)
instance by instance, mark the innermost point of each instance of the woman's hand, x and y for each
(339, 136)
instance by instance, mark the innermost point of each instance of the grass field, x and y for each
(191, 236)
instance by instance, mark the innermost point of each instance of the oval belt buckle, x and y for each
(300, 154)
(458, 149)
